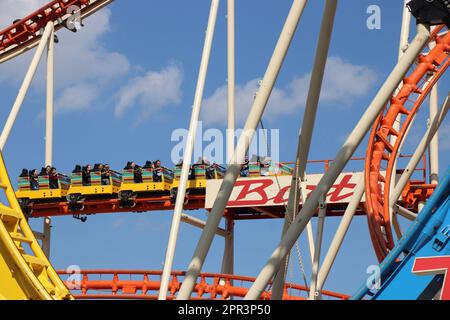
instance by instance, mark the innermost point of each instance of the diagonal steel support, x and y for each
(25, 85)
(298, 185)
(235, 165)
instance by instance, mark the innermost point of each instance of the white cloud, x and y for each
(151, 92)
(11, 10)
(83, 66)
(343, 83)
(76, 98)
(81, 57)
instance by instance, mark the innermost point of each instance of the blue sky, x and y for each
(126, 81)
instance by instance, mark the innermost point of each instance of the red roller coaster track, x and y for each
(138, 284)
(196, 201)
(419, 82)
(26, 33)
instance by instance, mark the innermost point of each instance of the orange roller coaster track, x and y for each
(140, 284)
(416, 86)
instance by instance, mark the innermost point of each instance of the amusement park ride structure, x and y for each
(381, 191)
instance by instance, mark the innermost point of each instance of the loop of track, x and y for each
(416, 86)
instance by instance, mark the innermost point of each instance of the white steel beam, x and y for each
(314, 294)
(405, 213)
(231, 79)
(304, 142)
(46, 239)
(228, 255)
(405, 29)
(234, 168)
(403, 46)
(193, 221)
(434, 144)
(340, 234)
(25, 85)
(187, 157)
(49, 104)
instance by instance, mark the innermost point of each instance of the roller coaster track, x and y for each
(25, 272)
(195, 200)
(26, 33)
(122, 284)
(416, 86)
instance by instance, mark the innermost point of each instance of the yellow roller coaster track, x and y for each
(25, 272)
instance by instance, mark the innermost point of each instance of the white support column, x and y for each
(25, 85)
(309, 229)
(231, 79)
(434, 144)
(418, 154)
(49, 104)
(49, 129)
(339, 236)
(405, 213)
(403, 46)
(314, 294)
(254, 117)
(339, 163)
(228, 255)
(405, 29)
(304, 141)
(193, 221)
(46, 237)
(187, 157)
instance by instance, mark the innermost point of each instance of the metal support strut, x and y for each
(233, 170)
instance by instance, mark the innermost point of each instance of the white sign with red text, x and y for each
(274, 191)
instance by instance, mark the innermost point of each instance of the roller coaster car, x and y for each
(78, 193)
(129, 189)
(44, 191)
(269, 169)
(27, 197)
(198, 176)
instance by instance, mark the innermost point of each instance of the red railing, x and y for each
(122, 284)
(328, 162)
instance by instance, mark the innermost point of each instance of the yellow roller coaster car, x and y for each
(198, 175)
(127, 188)
(96, 187)
(44, 191)
(153, 180)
